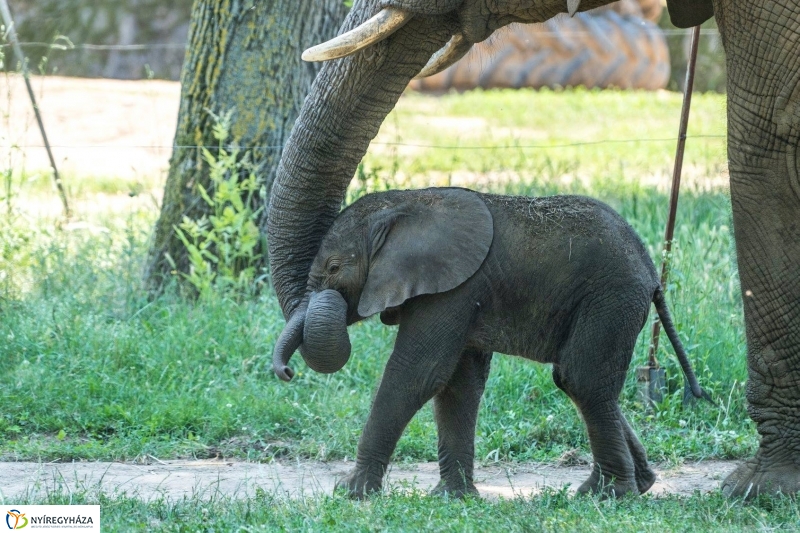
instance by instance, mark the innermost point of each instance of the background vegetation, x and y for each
(100, 30)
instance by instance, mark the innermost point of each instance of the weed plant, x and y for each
(93, 369)
(222, 246)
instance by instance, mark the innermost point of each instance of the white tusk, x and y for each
(382, 25)
(572, 7)
(456, 48)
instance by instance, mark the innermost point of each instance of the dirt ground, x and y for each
(207, 479)
(97, 127)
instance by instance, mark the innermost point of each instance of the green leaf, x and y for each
(204, 194)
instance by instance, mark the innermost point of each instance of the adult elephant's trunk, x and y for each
(341, 115)
(288, 341)
(319, 328)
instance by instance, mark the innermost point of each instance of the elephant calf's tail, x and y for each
(672, 334)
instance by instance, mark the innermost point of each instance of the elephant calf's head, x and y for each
(383, 250)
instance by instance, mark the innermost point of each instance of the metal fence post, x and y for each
(651, 378)
(12, 35)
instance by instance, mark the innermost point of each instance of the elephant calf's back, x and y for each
(552, 260)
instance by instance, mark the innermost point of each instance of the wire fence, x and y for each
(384, 143)
(102, 47)
(182, 46)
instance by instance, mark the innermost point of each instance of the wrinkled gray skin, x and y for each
(352, 96)
(561, 280)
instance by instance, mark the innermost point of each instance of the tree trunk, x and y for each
(244, 58)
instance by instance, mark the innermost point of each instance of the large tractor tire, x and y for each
(646, 9)
(651, 9)
(609, 47)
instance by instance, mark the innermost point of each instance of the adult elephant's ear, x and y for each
(429, 244)
(689, 13)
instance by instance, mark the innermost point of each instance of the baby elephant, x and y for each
(561, 280)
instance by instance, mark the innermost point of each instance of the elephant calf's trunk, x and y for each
(319, 328)
(326, 345)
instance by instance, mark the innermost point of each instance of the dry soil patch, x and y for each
(206, 479)
(96, 127)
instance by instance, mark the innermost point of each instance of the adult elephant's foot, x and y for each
(361, 482)
(607, 486)
(773, 402)
(759, 475)
(459, 488)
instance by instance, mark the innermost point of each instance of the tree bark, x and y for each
(243, 57)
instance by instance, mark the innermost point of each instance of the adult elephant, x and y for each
(391, 41)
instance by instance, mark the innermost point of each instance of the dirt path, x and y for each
(205, 479)
(96, 127)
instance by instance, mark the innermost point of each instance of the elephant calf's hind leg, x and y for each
(591, 370)
(613, 471)
(645, 477)
(620, 463)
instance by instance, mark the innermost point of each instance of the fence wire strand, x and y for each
(182, 46)
(381, 143)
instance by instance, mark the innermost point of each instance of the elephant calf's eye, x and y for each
(333, 268)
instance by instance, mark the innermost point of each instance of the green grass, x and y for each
(94, 370)
(485, 137)
(413, 511)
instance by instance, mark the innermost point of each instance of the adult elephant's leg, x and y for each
(426, 353)
(456, 410)
(763, 55)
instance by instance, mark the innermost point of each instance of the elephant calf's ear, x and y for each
(430, 244)
(689, 13)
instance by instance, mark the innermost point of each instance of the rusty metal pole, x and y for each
(12, 35)
(655, 377)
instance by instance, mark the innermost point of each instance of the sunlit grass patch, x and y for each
(494, 137)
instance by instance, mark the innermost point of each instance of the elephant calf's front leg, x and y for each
(456, 412)
(425, 357)
(402, 392)
(422, 363)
